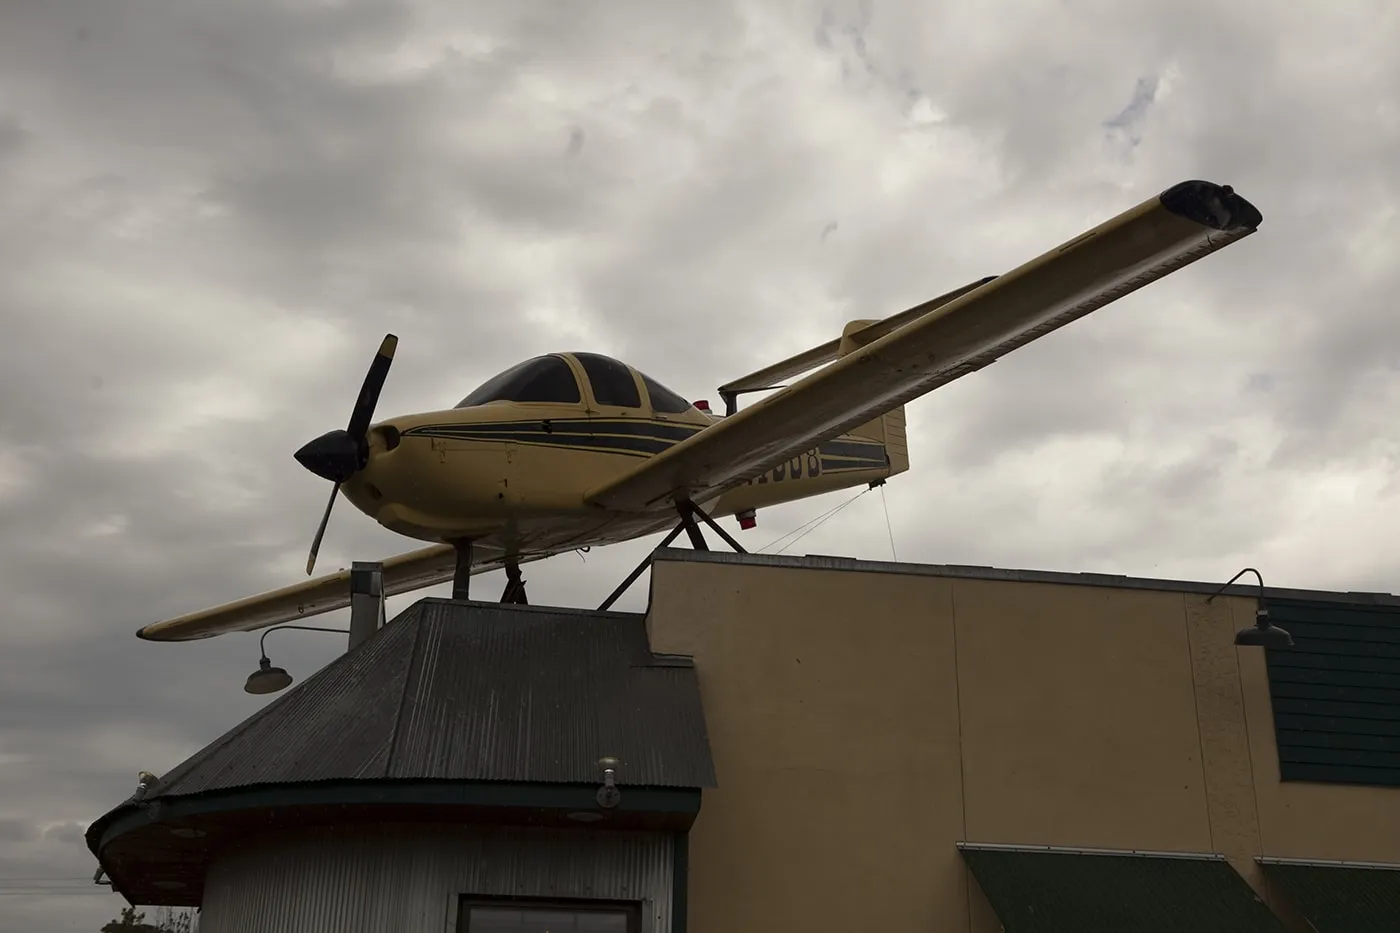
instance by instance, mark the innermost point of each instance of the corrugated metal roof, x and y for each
(1045, 891)
(477, 692)
(1342, 898)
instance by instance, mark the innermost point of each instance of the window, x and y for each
(542, 379)
(511, 916)
(663, 399)
(612, 381)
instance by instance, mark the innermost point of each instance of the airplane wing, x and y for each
(1186, 222)
(402, 574)
(769, 376)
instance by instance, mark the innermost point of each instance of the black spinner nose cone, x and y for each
(334, 456)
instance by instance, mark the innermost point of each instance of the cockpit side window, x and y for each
(542, 379)
(612, 381)
(663, 400)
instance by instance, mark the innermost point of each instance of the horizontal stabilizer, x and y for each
(769, 377)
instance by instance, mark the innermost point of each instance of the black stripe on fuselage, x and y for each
(631, 438)
(855, 450)
(559, 440)
(593, 426)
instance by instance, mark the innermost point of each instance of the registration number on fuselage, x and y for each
(808, 465)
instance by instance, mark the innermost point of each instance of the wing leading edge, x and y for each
(770, 376)
(1163, 234)
(402, 574)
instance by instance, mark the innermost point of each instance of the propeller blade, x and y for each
(369, 392)
(321, 532)
(337, 455)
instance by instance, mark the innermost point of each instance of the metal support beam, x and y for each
(637, 570)
(462, 573)
(366, 600)
(688, 510)
(692, 530)
(714, 526)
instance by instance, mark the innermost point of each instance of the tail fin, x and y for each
(888, 429)
(866, 454)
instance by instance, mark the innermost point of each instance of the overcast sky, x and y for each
(210, 213)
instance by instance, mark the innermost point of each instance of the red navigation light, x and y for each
(747, 519)
(703, 405)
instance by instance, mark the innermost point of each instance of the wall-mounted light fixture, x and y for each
(608, 795)
(268, 679)
(1263, 633)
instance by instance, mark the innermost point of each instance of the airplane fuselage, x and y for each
(516, 477)
(503, 468)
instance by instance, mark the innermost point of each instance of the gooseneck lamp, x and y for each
(1263, 633)
(268, 679)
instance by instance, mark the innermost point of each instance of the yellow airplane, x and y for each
(576, 450)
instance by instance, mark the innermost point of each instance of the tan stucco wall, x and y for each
(863, 723)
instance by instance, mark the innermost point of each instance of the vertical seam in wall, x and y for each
(962, 756)
(1248, 740)
(1196, 706)
(680, 882)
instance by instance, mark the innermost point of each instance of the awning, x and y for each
(1340, 897)
(1050, 890)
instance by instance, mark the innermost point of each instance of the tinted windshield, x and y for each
(542, 379)
(662, 398)
(612, 381)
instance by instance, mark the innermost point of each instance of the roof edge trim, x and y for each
(1068, 578)
(528, 608)
(1083, 850)
(131, 816)
(1267, 860)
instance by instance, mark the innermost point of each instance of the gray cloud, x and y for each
(216, 211)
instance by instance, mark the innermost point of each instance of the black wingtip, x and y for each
(1212, 205)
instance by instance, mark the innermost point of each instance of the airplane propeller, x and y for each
(338, 455)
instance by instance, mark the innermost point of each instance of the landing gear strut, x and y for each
(688, 511)
(462, 576)
(515, 586)
(462, 572)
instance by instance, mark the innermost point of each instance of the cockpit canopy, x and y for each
(542, 379)
(550, 379)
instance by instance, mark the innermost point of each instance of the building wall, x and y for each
(409, 878)
(864, 722)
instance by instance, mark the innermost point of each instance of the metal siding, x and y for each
(477, 692)
(1336, 693)
(408, 879)
(1042, 891)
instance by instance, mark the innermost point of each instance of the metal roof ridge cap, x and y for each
(414, 663)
